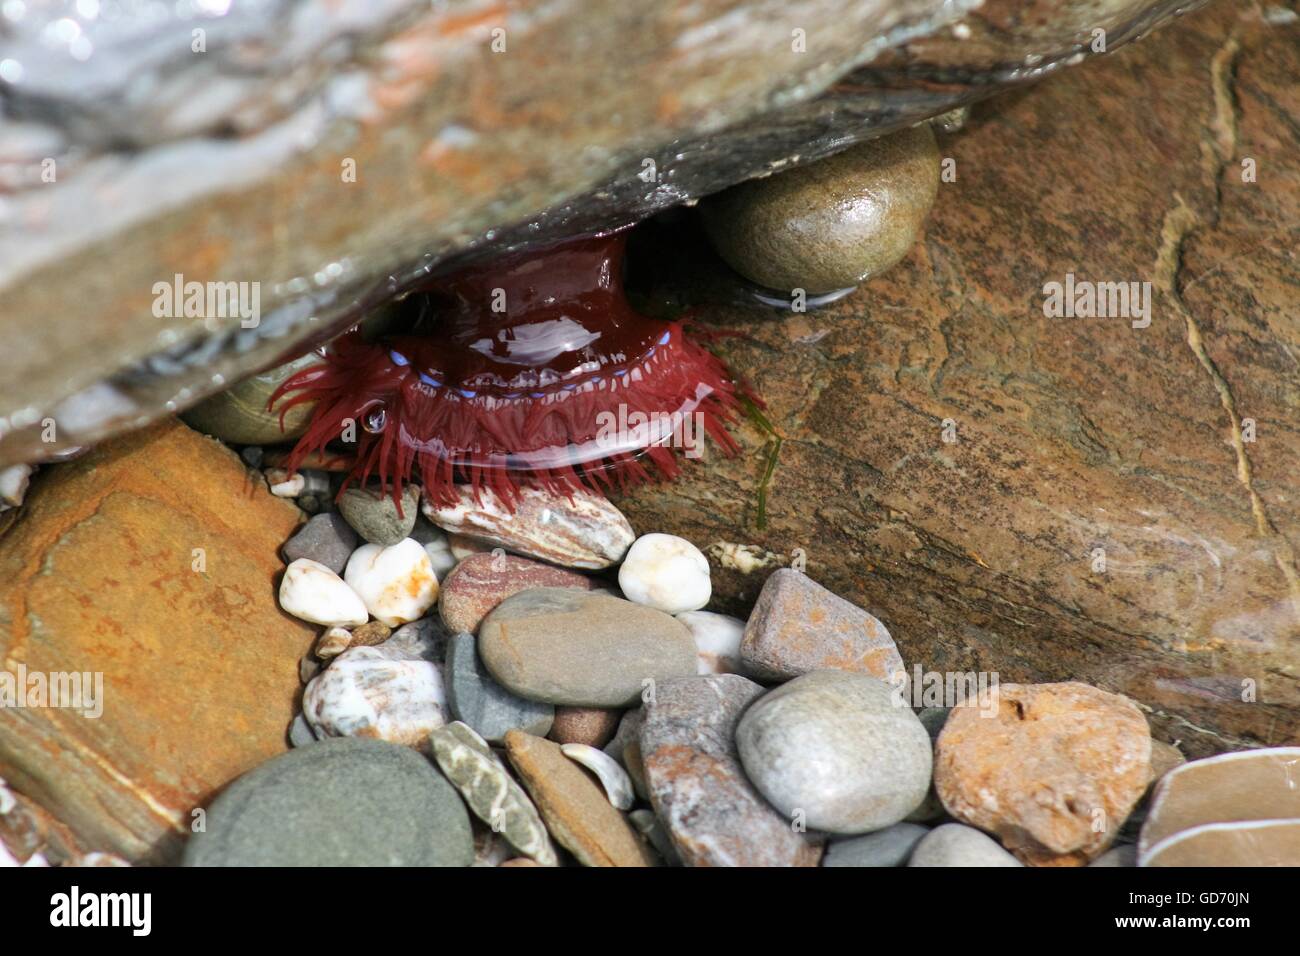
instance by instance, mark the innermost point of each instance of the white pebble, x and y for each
(284, 485)
(364, 693)
(13, 485)
(396, 583)
(666, 572)
(717, 638)
(313, 592)
(617, 784)
(439, 550)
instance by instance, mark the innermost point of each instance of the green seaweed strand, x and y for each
(773, 452)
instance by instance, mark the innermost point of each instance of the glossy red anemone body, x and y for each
(535, 371)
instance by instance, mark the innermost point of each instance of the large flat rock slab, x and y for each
(151, 562)
(1101, 514)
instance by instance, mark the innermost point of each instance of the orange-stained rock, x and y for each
(152, 560)
(1053, 770)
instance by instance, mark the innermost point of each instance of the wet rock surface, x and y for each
(182, 624)
(366, 167)
(1097, 514)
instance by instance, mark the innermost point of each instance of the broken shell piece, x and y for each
(333, 642)
(617, 784)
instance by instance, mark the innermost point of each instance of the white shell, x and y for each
(396, 583)
(313, 592)
(666, 572)
(617, 784)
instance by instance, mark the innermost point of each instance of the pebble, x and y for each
(698, 788)
(832, 223)
(1053, 772)
(665, 572)
(491, 793)
(888, 847)
(396, 583)
(332, 642)
(834, 749)
(1251, 843)
(375, 516)
(1225, 798)
(578, 531)
(797, 626)
(487, 707)
(13, 485)
(1164, 758)
(426, 640)
(239, 414)
(1125, 855)
(618, 787)
(576, 811)
(313, 592)
(348, 802)
(326, 539)
(593, 726)
(626, 749)
(482, 581)
(300, 732)
(285, 485)
(717, 641)
(648, 825)
(933, 719)
(436, 545)
(956, 845)
(366, 693)
(335, 640)
(582, 649)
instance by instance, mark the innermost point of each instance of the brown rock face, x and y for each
(1051, 769)
(151, 561)
(1060, 498)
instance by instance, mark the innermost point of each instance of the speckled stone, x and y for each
(374, 516)
(834, 749)
(593, 726)
(888, 847)
(326, 539)
(371, 692)
(482, 703)
(493, 796)
(576, 810)
(582, 649)
(797, 626)
(833, 223)
(1053, 769)
(346, 802)
(954, 844)
(482, 581)
(713, 814)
